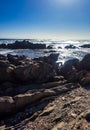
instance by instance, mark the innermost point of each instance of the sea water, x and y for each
(58, 47)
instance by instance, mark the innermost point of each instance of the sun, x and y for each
(66, 2)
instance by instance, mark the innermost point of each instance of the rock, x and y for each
(52, 84)
(15, 59)
(26, 73)
(70, 47)
(71, 102)
(85, 46)
(6, 104)
(6, 71)
(19, 69)
(68, 67)
(50, 51)
(85, 63)
(23, 45)
(59, 47)
(87, 115)
(22, 100)
(3, 46)
(51, 59)
(57, 118)
(2, 57)
(8, 88)
(50, 47)
(85, 80)
(59, 126)
(34, 71)
(47, 111)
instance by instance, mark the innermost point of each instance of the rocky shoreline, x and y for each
(23, 45)
(40, 94)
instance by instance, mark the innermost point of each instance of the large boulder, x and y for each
(34, 71)
(52, 58)
(85, 46)
(69, 66)
(85, 63)
(6, 71)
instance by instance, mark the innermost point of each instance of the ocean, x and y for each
(58, 46)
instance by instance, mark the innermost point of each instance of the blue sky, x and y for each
(56, 19)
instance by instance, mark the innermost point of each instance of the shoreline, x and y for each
(27, 83)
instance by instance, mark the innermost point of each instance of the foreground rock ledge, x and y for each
(42, 95)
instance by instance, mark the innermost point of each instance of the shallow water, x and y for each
(65, 54)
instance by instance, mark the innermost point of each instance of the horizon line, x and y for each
(43, 39)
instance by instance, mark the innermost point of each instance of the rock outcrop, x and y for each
(77, 71)
(70, 47)
(23, 45)
(40, 94)
(85, 46)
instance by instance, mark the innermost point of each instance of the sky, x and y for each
(52, 19)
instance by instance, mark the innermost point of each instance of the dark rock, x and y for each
(85, 63)
(70, 47)
(3, 46)
(23, 45)
(6, 71)
(6, 104)
(85, 46)
(50, 47)
(15, 59)
(59, 47)
(50, 51)
(69, 66)
(2, 57)
(34, 71)
(85, 80)
(51, 59)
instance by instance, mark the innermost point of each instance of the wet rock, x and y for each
(59, 47)
(23, 45)
(70, 47)
(51, 59)
(50, 51)
(3, 46)
(50, 47)
(85, 46)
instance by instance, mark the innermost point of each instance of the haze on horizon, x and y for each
(53, 19)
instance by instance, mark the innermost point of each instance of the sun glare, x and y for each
(66, 3)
